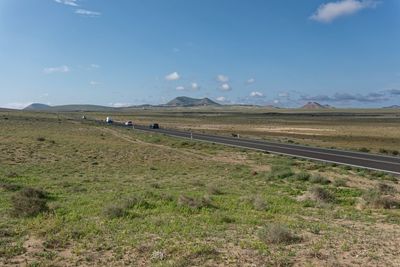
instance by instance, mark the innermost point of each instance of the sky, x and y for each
(345, 53)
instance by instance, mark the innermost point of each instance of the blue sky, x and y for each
(125, 52)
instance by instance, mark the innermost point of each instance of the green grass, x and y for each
(119, 197)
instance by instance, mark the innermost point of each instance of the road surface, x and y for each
(356, 159)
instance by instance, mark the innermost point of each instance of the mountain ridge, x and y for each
(184, 101)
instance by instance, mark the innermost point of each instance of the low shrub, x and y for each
(321, 194)
(41, 139)
(29, 202)
(277, 234)
(114, 211)
(383, 151)
(340, 182)
(195, 203)
(318, 179)
(9, 186)
(364, 149)
(375, 199)
(280, 172)
(214, 190)
(259, 203)
(302, 176)
(386, 189)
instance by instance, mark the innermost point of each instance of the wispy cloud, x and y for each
(347, 97)
(222, 78)
(330, 11)
(180, 88)
(222, 99)
(173, 76)
(94, 66)
(67, 2)
(119, 105)
(283, 94)
(251, 80)
(60, 69)
(87, 13)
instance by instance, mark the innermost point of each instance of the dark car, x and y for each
(154, 126)
(129, 123)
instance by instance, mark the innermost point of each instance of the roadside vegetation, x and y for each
(77, 193)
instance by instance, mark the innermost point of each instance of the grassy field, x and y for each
(376, 131)
(73, 193)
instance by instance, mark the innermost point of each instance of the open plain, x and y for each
(74, 192)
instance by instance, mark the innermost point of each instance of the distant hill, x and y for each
(392, 107)
(37, 106)
(315, 105)
(183, 101)
(271, 107)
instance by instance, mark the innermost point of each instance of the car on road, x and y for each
(154, 126)
(129, 123)
(109, 120)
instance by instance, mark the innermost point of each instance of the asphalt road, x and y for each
(356, 159)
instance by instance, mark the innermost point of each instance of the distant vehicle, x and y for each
(129, 123)
(109, 120)
(154, 126)
(83, 117)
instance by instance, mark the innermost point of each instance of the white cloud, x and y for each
(87, 13)
(221, 99)
(330, 11)
(276, 101)
(225, 87)
(250, 81)
(119, 105)
(61, 69)
(173, 76)
(67, 2)
(180, 88)
(222, 78)
(195, 86)
(94, 83)
(256, 94)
